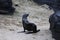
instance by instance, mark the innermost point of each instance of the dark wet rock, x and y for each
(6, 7)
(54, 21)
(54, 4)
(56, 35)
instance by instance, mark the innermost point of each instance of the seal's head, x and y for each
(25, 15)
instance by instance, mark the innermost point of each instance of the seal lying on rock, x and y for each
(27, 25)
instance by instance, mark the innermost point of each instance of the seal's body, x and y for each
(27, 25)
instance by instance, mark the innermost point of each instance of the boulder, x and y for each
(54, 4)
(54, 21)
(6, 7)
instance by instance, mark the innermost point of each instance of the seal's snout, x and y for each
(25, 15)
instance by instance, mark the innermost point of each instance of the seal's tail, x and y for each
(38, 30)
